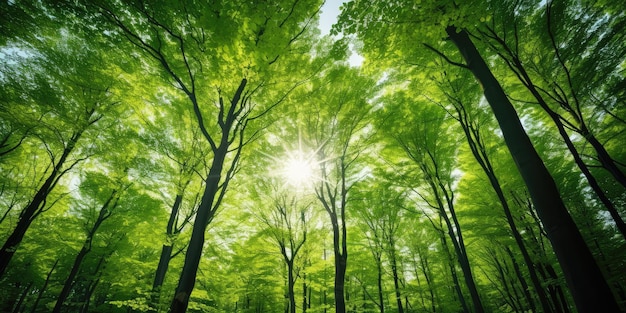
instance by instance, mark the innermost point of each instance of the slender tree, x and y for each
(583, 275)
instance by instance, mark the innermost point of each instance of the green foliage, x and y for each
(122, 82)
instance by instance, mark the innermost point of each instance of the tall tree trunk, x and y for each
(206, 210)
(105, 212)
(515, 64)
(69, 281)
(291, 287)
(394, 272)
(44, 287)
(427, 275)
(454, 233)
(203, 217)
(18, 306)
(35, 207)
(379, 283)
(522, 280)
(304, 291)
(340, 270)
(582, 274)
(166, 252)
(455, 278)
(479, 151)
(93, 283)
(605, 158)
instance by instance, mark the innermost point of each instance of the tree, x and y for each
(585, 279)
(182, 47)
(73, 97)
(425, 142)
(102, 214)
(513, 55)
(286, 224)
(466, 115)
(337, 132)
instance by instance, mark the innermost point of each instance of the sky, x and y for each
(328, 16)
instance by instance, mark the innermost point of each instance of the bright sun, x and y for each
(297, 169)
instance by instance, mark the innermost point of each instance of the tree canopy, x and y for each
(226, 156)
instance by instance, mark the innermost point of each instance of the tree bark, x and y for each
(479, 151)
(515, 64)
(206, 210)
(394, 272)
(105, 212)
(166, 252)
(44, 287)
(588, 287)
(35, 207)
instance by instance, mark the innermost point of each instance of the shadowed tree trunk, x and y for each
(37, 205)
(582, 274)
(44, 287)
(515, 64)
(105, 212)
(208, 205)
(479, 151)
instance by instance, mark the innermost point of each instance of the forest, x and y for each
(256, 156)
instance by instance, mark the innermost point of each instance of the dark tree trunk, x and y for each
(453, 229)
(340, 276)
(582, 274)
(166, 252)
(105, 212)
(69, 282)
(304, 292)
(206, 210)
(18, 305)
(379, 280)
(522, 280)
(203, 217)
(394, 272)
(291, 287)
(607, 162)
(44, 287)
(455, 278)
(35, 207)
(474, 140)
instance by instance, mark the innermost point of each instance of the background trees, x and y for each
(373, 189)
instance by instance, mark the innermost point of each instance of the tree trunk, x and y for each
(35, 207)
(606, 160)
(473, 137)
(394, 272)
(522, 280)
(166, 252)
(69, 282)
(18, 305)
(582, 274)
(194, 250)
(44, 287)
(206, 210)
(340, 275)
(454, 232)
(104, 213)
(455, 278)
(291, 287)
(379, 280)
(304, 291)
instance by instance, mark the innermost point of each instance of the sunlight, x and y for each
(297, 169)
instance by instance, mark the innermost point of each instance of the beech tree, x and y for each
(588, 286)
(181, 46)
(68, 100)
(230, 156)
